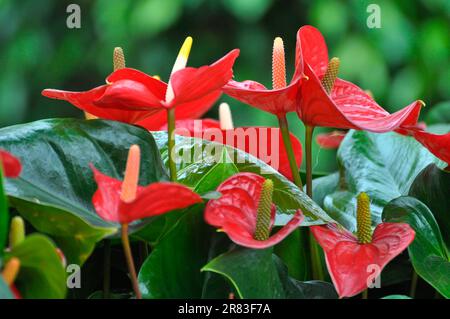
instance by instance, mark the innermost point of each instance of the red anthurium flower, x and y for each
(352, 260)
(265, 143)
(279, 100)
(330, 140)
(134, 97)
(438, 144)
(325, 100)
(125, 201)
(245, 212)
(11, 164)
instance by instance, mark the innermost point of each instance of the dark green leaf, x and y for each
(198, 157)
(41, 273)
(432, 187)
(173, 268)
(382, 165)
(55, 188)
(260, 274)
(428, 253)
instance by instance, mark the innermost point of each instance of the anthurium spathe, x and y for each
(125, 202)
(330, 140)
(113, 202)
(133, 97)
(325, 100)
(353, 260)
(10, 164)
(265, 143)
(438, 144)
(245, 212)
(278, 101)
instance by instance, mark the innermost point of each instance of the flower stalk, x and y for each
(128, 194)
(278, 82)
(180, 63)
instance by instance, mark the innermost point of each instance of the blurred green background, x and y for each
(406, 59)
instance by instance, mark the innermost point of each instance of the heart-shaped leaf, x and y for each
(432, 187)
(428, 253)
(196, 157)
(260, 274)
(165, 273)
(56, 185)
(173, 268)
(382, 165)
(41, 274)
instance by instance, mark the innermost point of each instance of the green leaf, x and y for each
(382, 165)
(293, 252)
(41, 273)
(55, 188)
(396, 297)
(197, 157)
(5, 292)
(432, 187)
(427, 251)
(4, 216)
(173, 268)
(323, 186)
(260, 274)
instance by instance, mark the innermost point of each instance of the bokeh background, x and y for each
(406, 59)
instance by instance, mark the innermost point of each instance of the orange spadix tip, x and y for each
(278, 64)
(11, 270)
(131, 178)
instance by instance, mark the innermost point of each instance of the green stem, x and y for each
(414, 279)
(316, 260)
(365, 294)
(130, 261)
(171, 143)
(143, 251)
(308, 141)
(283, 123)
(106, 268)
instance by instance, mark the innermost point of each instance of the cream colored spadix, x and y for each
(180, 63)
(225, 117)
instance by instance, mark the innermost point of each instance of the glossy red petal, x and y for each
(351, 265)
(330, 140)
(437, 144)
(235, 212)
(312, 49)
(11, 164)
(278, 102)
(189, 110)
(106, 199)
(133, 89)
(190, 84)
(85, 101)
(128, 95)
(349, 107)
(265, 143)
(156, 199)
